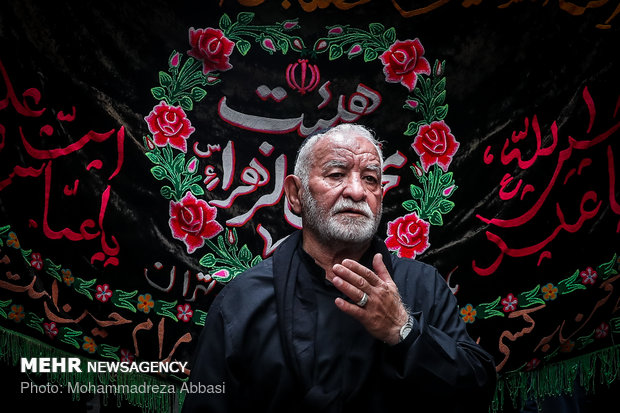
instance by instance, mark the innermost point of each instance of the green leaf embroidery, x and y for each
(487, 310)
(411, 206)
(445, 206)
(335, 51)
(607, 269)
(198, 94)
(121, 299)
(165, 79)
(416, 192)
(68, 335)
(245, 17)
(376, 28)
(412, 129)
(370, 55)
(530, 298)
(3, 306)
(159, 93)
(225, 22)
(208, 260)
(159, 172)
(436, 218)
(196, 190)
(243, 46)
(390, 35)
(162, 308)
(186, 103)
(83, 286)
(108, 351)
(569, 285)
(199, 317)
(166, 192)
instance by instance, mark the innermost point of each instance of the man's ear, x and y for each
(292, 188)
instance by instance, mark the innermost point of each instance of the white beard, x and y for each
(332, 227)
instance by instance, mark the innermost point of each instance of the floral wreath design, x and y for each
(182, 86)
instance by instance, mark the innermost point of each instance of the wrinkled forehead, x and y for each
(349, 149)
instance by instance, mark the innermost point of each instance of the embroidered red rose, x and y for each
(192, 220)
(212, 47)
(169, 124)
(435, 145)
(403, 62)
(408, 236)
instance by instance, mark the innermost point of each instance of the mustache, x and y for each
(345, 204)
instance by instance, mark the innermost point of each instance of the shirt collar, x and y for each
(377, 245)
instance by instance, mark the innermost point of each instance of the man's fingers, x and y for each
(361, 271)
(383, 313)
(351, 309)
(351, 291)
(352, 278)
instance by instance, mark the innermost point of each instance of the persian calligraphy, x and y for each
(363, 102)
(568, 152)
(45, 158)
(44, 163)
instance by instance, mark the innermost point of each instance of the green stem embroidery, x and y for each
(429, 97)
(431, 201)
(180, 86)
(271, 38)
(371, 43)
(228, 257)
(181, 174)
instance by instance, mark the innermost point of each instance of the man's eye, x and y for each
(336, 175)
(371, 179)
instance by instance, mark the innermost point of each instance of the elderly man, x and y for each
(333, 322)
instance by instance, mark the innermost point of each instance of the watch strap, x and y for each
(406, 329)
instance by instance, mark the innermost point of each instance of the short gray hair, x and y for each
(303, 161)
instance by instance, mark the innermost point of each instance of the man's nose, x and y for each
(354, 188)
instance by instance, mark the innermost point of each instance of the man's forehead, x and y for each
(345, 147)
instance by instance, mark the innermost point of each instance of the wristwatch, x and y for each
(405, 329)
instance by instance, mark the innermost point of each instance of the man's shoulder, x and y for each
(411, 267)
(252, 284)
(247, 302)
(413, 274)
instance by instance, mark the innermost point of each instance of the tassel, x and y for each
(558, 378)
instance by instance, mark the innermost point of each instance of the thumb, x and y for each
(380, 269)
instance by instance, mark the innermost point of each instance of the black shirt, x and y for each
(309, 356)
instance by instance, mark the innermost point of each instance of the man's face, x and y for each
(342, 200)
